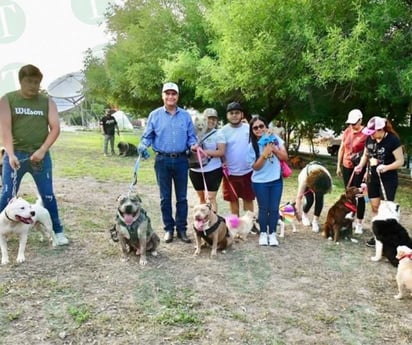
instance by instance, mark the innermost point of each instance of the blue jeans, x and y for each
(173, 171)
(268, 196)
(42, 175)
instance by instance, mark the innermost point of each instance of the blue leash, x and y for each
(136, 168)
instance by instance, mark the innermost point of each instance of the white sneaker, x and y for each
(263, 239)
(62, 240)
(315, 226)
(305, 220)
(273, 241)
(358, 229)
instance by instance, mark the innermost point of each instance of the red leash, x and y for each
(226, 175)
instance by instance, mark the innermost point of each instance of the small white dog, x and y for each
(200, 123)
(18, 217)
(239, 227)
(404, 275)
(43, 222)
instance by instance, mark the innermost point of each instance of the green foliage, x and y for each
(306, 61)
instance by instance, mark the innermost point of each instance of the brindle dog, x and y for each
(133, 229)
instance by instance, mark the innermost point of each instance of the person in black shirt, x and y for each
(108, 126)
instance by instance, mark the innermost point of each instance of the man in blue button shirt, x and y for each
(170, 132)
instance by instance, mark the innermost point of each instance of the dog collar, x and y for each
(406, 256)
(350, 206)
(7, 216)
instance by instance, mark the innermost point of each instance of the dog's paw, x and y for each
(124, 259)
(354, 240)
(375, 258)
(398, 296)
(20, 259)
(154, 253)
(4, 261)
(142, 261)
(197, 252)
(281, 235)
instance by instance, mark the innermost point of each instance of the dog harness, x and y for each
(350, 206)
(132, 229)
(205, 233)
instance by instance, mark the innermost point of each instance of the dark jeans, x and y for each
(42, 175)
(268, 199)
(173, 171)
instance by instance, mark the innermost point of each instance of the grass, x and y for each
(307, 291)
(79, 155)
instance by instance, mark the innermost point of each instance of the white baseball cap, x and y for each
(354, 116)
(374, 124)
(171, 87)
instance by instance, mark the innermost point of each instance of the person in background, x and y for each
(170, 132)
(278, 129)
(383, 155)
(314, 181)
(352, 146)
(267, 182)
(30, 125)
(236, 135)
(214, 146)
(108, 125)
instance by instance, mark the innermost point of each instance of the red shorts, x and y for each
(242, 186)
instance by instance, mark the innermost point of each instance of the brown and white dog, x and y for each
(133, 229)
(210, 227)
(340, 216)
(404, 274)
(17, 219)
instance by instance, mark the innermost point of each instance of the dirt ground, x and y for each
(306, 291)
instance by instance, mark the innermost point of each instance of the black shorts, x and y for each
(213, 179)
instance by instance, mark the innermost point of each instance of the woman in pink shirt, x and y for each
(349, 155)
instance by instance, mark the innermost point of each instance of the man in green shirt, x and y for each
(30, 125)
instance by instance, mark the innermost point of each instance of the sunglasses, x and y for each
(255, 128)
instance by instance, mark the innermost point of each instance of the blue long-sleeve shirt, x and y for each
(169, 133)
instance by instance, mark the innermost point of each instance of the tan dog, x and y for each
(133, 229)
(212, 228)
(240, 227)
(404, 275)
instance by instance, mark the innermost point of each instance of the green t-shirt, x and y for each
(29, 117)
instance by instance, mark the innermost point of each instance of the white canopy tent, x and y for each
(122, 120)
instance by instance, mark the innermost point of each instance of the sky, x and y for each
(51, 34)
